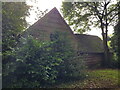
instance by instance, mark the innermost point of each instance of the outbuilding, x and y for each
(88, 45)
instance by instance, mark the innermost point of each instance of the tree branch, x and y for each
(113, 17)
(111, 11)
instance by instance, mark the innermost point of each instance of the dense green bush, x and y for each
(35, 64)
(72, 65)
(41, 64)
(114, 61)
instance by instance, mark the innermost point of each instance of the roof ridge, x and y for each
(55, 10)
(86, 35)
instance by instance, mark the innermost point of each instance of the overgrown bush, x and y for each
(40, 64)
(114, 61)
(72, 65)
(35, 64)
(115, 46)
(8, 67)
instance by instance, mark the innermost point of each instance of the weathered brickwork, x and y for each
(89, 45)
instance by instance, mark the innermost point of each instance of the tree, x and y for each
(13, 23)
(116, 39)
(83, 15)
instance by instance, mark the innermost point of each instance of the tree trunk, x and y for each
(106, 51)
(106, 40)
(105, 46)
(104, 28)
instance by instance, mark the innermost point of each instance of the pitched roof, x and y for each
(89, 43)
(51, 22)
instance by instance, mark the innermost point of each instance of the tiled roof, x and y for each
(52, 22)
(89, 43)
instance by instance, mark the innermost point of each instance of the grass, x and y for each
(102, 78)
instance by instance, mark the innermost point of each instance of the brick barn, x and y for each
(88, 45)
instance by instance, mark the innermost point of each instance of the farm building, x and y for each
(83, 44)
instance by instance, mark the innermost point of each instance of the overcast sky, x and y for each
(49, 4)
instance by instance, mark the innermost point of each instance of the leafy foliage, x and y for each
(40, 64)
(114, 44)
(34, 64)
(84, 15)
(13, 22)
(116, 41)
(72, 65)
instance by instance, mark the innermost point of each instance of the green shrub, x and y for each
(41, 64)
(35, 64)
(72, 65)
(8, 67)
(114, 61)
